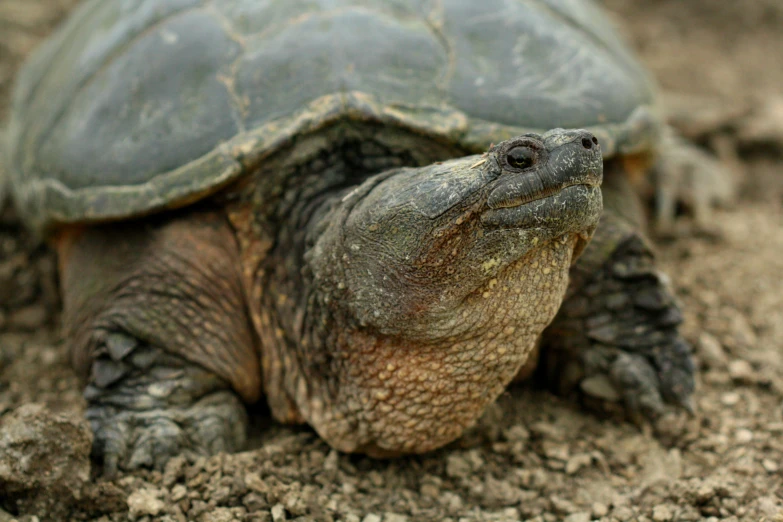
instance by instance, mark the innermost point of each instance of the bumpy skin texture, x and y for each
(424, 290)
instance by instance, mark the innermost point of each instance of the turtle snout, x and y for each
(589, 141)
(576, 157)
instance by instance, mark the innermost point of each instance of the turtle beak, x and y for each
(560, 192)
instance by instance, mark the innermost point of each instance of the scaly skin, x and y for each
(422, 293)
(157, 323)
(410, 302)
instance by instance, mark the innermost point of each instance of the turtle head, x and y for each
(415, 242)
(437, 282)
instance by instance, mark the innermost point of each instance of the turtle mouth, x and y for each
(526, 197)
(574, 208)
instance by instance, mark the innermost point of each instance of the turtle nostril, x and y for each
(586, 143)
(595, 140)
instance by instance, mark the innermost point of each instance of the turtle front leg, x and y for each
(617, 337)
(156, 319)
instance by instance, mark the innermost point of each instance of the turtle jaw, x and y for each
(575, 208)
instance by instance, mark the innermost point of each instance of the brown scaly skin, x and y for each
(156, 317)
(396, 311)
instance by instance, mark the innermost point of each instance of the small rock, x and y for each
(578, 462)
(255, 483)
(372, 517)
(581, 516)
(394, 517)
(711, 352)
(743, 436)
(769, 506)
(562, 506)
(765, 124)
(376, 479)
(501, 491)
(331, 463)
(44, 460)
(457, 466)
(220, 514)
(662, 513)
(517, 433)
(451, 501)
(623, 513)
(741, 371)
(599, 510)
(601, 387)
(278, 512)
(555, 450)
(178, 492)
(730, 398)
(770, 465)
(174, 470)
(143, 502)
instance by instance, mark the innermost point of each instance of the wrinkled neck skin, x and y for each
(390, 316)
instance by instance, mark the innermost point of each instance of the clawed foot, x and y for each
(127, 440)
(618, 339)
(146, 406)
(688, 176)
(643, 383)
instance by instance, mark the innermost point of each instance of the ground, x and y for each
(720, 68)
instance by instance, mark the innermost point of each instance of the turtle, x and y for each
(373, 215)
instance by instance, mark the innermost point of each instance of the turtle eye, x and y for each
(521, 157)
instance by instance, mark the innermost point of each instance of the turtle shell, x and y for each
(134, 106)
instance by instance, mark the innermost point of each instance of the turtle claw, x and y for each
(637, 382)
(127, 439)
(639, 385)
(146, 406)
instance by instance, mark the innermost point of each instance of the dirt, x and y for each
(721, 67)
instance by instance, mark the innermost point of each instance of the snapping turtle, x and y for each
(356, 210)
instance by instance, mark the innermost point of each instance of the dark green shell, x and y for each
(134, 105)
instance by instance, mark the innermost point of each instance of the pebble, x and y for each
(599, 510)
(144, 502)
(743, 436)
(712, 353)
(457, 466)
(581, 516)
(741, 371)
(770, 465)
(555, 450)
(601, 387)
(623, 513)
(662, 513)
(578, 462)
(730, 398)
(394, 517)
(372, 517)
(278, 512)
